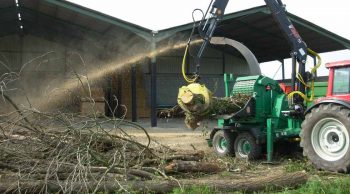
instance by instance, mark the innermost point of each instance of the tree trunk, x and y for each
(192, 166)
(186, 155)
(276, 182)
(196, 109)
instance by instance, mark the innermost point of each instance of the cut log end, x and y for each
(187, 97)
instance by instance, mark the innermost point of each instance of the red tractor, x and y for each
(325, 134)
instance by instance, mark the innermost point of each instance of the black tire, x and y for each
(325, 137)
(243, 139)
(228, 150)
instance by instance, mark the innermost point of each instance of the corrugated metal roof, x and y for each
(259, 32)
(47, 13)
(253, 27)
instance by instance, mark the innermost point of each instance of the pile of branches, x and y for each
(219, 107)
(43, 152)
(59, 152)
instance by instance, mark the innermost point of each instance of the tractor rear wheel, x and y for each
(223, 143)
(246, 146)
(325, 137)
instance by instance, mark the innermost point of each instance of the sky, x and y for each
(161, 14)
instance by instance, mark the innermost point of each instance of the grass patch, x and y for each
(197, 189)
(329, 185)
(299, 165)
(333, 185)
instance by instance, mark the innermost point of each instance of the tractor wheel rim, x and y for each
(330, 139)
(244, 148)
(222, 145)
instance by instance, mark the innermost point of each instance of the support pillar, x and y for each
(133, 94)
(120, 111)
(153, 84)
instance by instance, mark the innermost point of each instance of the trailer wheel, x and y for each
(325, 137)
(223, 143)
(246, 147)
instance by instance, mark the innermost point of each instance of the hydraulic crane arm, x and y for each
(277, 8)
(298, 46)
(299, 50)
(217, 10)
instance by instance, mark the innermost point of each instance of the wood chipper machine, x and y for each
(269, 113)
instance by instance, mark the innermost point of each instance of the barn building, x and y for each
(48, 46)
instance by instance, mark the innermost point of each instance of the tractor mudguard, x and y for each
(216, 129)
(334, 101)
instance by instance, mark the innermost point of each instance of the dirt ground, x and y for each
(178, 137)
(182, 140)
(173, 133)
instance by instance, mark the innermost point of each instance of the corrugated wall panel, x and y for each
(169, 64)
(10, 54)
(209, 66)
(11, 60)
(236, 65)
(10, 43)
(169, 77)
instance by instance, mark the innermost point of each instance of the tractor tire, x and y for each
(223, 143)
(246, 147)
(325, 137)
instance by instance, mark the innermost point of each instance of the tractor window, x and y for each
(341, 80)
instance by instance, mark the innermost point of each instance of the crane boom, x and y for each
(217, 11)
(298, 52)
(298, 46)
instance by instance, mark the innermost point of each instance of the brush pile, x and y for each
(55, 152)
(43, 152)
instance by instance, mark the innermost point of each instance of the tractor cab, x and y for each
(339, 81)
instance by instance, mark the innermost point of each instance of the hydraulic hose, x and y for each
(312, 86)
(188, 79)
